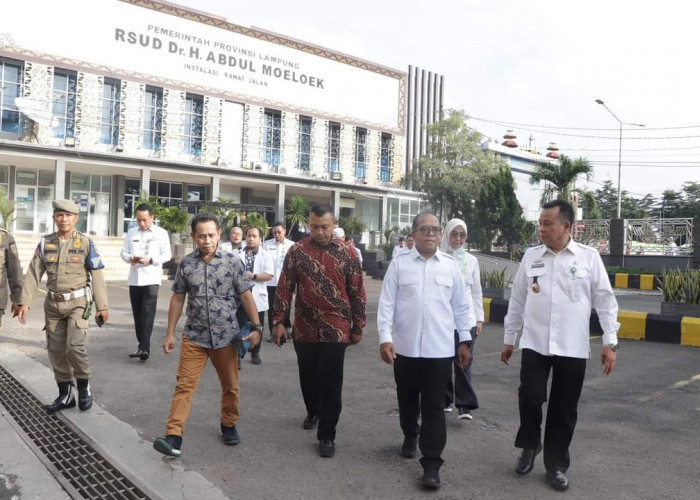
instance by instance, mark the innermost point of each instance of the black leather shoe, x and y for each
(135, 354)
(84, 394)
(326, 448)
(144, 355)
(558, 480)
(431, 474)
(310, 422)
(526, 461)
(408, 448)
(65, 399)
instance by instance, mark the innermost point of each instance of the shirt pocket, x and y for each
(536, 277)
(578, 282)
(408, 285)
(75, 264)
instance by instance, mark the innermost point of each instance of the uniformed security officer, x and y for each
(74, 274)
(10, 271)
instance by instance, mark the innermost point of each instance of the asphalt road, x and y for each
(637, 435)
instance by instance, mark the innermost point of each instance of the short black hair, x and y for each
(414, 225)
(144, 207)
(401, 238)
(321, 209)
(260, 233)
(566, 211)
(199, 218)
(279, 224)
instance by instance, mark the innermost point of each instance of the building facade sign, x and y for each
(241, 63)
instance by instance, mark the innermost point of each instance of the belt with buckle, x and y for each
(65, 297)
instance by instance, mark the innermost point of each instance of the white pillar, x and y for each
(215, 186)
(279, 206)
(60, 191)
(145, 179)
(335, 202)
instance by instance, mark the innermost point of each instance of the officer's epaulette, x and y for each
(534, 248)
(445, 254)
(586, 247)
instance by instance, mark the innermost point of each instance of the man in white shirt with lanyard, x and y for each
(278, 247)
(422, 303)
(146, 248)
(553, 292)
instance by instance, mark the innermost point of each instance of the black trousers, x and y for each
(321, 380)
(567, 381)
(144, 300)
(461, 392)
(271, 301)
(242, 318)
(420, 388)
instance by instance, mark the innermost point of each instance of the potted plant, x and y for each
(494, 284)
(254, 219)
(174, 220)
(681, 292)
(297, 214)
(353, 226)
(7, 208)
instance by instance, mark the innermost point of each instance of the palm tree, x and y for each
(560, 176)
(297, 212)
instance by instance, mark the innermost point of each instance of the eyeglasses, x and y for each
(429, 229)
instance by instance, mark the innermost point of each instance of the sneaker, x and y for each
(168, 445)
(230, 435)
(464, 414)
(310, 422)
(448, 409)
(255, 358)
(326, 448)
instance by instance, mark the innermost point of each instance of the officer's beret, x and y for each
(65, 206)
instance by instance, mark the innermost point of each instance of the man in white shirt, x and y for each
(235, 243)
(351, 241)
(422, 303)
(553, 292)
(146, 248)
(260, 269)
(400, 248)
(278, 247)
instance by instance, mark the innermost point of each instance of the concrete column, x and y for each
(145, 179)
(215, 185)
(335, 202)
(618, 229)
(384, 214)
(60, 189)
(696, 243)
(280, 194)
(117, 202)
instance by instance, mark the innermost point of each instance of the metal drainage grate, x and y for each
(87, 474)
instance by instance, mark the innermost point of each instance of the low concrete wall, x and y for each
(666, 328)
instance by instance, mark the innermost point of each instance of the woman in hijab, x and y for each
(453, 240)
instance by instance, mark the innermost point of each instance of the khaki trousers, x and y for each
(66, 338)
(193, 360)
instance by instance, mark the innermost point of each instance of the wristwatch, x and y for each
(257, 327)
(613, 347)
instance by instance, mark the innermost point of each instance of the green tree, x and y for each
(456, 166)
(560, 176)
(496, 215)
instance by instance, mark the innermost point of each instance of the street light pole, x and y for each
(619, 157)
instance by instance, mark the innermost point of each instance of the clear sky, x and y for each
(538, 62)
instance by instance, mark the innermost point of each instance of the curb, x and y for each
(664, 328)
(634, 281)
